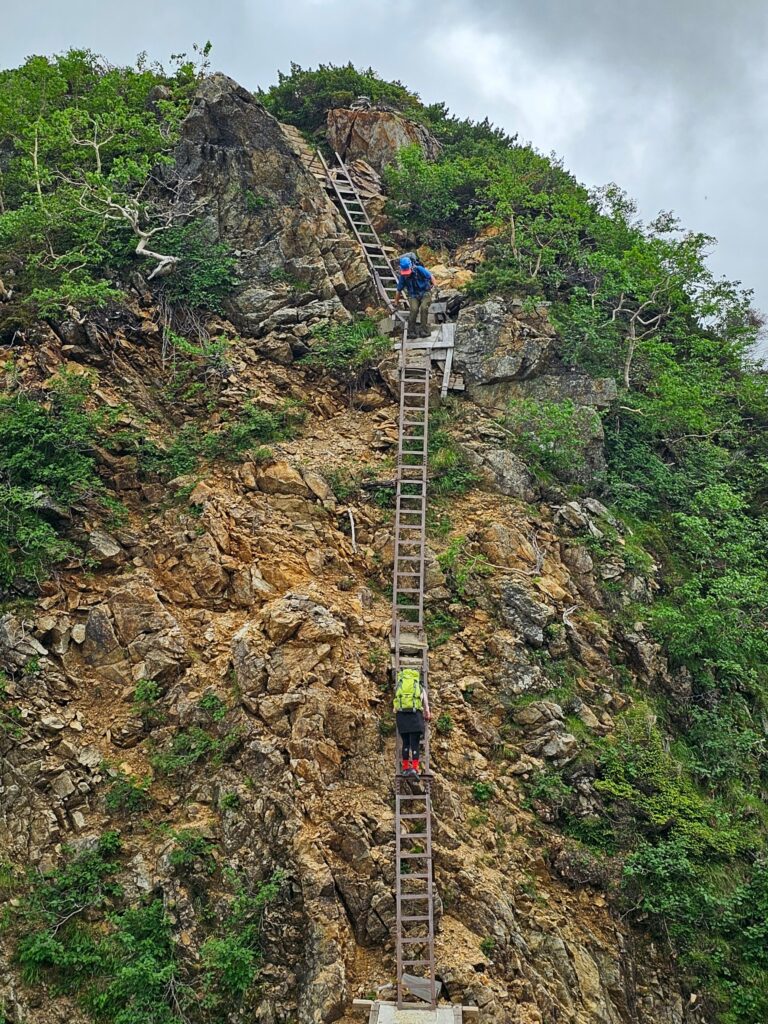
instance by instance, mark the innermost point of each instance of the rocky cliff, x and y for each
(238, 592)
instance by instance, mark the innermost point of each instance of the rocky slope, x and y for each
(243, 582)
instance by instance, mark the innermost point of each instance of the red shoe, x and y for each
(415, 765)
(405, 766)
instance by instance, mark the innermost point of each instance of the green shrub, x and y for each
(482, 792)
(304, 96)
(146, 702)
(213, 706)
(48, 468)
(206, 271)
(444, 723)
(553, 435)
(192, 851)
(252, 427)
(126, 795)
(440, 626)
(348, 352)
(186, 749)
(463, 570)
(450, 472)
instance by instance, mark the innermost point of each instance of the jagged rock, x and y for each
(501, 470)
(519, 610)
(377, 135)
(505, 545)
(104, 550)
(17, 646)
(232, 150)
(63, 786)
(52, 723)
(578, 559)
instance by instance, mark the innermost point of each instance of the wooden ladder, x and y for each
(339, 182)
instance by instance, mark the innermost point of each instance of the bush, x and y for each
(444, 723)
(48, 469)
(146, 702)
(304, 96)
(553, 435)
(463, 570)
(482, 792)
(126, 796)
(348, 352)
(450, 472)
(205, 273)
(186, 749)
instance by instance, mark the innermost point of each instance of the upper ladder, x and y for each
(340, 182)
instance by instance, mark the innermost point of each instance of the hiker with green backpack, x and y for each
(411, 710)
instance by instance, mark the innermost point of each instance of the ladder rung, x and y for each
(405, 590)
(416, 963)
(412, 796)
(414, 856)
(418, 917)
(412, 817)
(411, 941)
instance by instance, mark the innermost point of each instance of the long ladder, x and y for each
(343, 189)
(417, 987)
(414, 888)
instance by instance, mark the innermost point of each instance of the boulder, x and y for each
(282, 478)
(104, 550)
(148, 633)
(497, 343)
(597, 392)
(377, 136)
(503, 471)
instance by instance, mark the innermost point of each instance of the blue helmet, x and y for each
(405, 264)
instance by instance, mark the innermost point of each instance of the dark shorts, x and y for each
(409, 722)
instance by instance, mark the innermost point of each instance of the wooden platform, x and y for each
(388, 1013)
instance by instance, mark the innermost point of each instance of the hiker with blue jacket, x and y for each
(417, 283)
(411, 707)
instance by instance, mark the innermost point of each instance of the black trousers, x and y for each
(411, 745)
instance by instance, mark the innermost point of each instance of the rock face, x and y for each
(254, 193)
(376, 135)
(497, 344)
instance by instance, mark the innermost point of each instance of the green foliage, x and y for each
(440, 626)
(487, 945)
(126, 795)
(304, 96)
(213, 706)
(78, 134)
(444, 723)
(73, 931)
(450, 472)
(347, 351)
(462, 568)
(186, 749)
(206, 271)
(231, 960)
(553, 435)
(192, 852)
(146, 702)
(47, 465)
(251, 428)
(482, 792)
(549, 788)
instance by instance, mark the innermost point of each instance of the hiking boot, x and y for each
(424, 333)
(412, 333)
(411, 773)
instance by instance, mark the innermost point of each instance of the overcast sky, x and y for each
(668, 98)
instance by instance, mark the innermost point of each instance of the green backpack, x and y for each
(408, 693)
